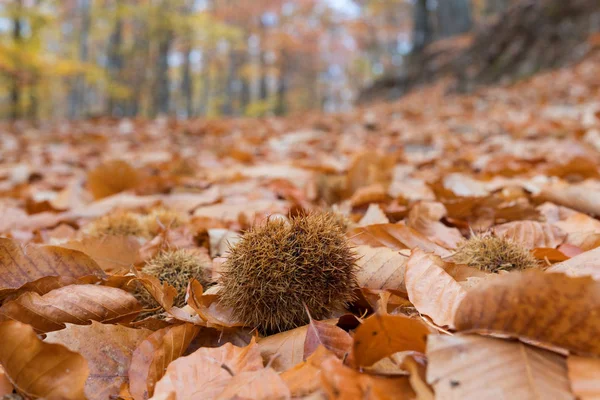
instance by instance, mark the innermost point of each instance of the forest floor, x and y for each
(86, 207)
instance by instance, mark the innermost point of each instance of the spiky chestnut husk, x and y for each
(163, 217)
(280, 266)
(177, 268)
(494, 254)
(117, 224)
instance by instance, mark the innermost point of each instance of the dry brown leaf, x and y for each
(249, 209)
(75, 304)
(107, 349)
(432, 291)
(39, 369)
(20, 265)
(425, 217)
(342, 382)
(264, 384)
(368, 168)
(583, 375)
(380, 268)
(285, 349)
(5, 386)
(532, 234)
(475, 367)
(114, 254)
(333, 338)
(584, 264)
(204, 374)
(583, 197)
(111, 178)
(374, 215)
(209, 309)
(152, 356)
(552, 309)
(381, 335)
(395, 237)
(305, 378)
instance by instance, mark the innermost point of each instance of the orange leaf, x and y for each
(432, 291)
(76, 304)
(264, 384)
(425, 218)
(285, 349)
(108, 350)
(39, 369)
(380, 268)
(517, 371)
(114, 254)
(531, 234)
(333, 338)
(383, 335)
(111, 178)
(395, 237)
(584, 264)
(583, 374)
(205, 373)
(152, 356)
(553, 309)
(5, 386)
(343, 382)
(20, 265)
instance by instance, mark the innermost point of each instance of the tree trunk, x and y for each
(161, 95)
(454, 17)
(495, 6)
(115, 65)
(282, 87)
(77, 96)
(206, 88)
(15, 90)
(422, 33)
(187, 88)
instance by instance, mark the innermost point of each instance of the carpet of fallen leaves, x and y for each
(414, 178)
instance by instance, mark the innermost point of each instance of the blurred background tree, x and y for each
(187, 58)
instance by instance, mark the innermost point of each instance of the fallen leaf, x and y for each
(475, 367)
(209, 309)
(583, 375)
(531, 234)
(5, 386)
(305, 378)
(584, 264)
(329, 336)
(114, 254)
(425, 217)
(552, 309)
(107, 349)
(75, 304)
(343, 382)
(395, 237)
(380, 268)
(153, 354)
(263, 384)
(374, 215)
(432, 291)
(111, 178)
(204, 374)
(38, 369)
(382, 335)
(20, 265)
(284, 350)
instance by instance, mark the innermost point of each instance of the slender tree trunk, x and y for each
(115, 65)
(187, 88)
(495, 6)
(77, 97)
(282, 87)
(422, 33)
(206, 85)
(454, 17)
(162, 95)
(15, 90)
